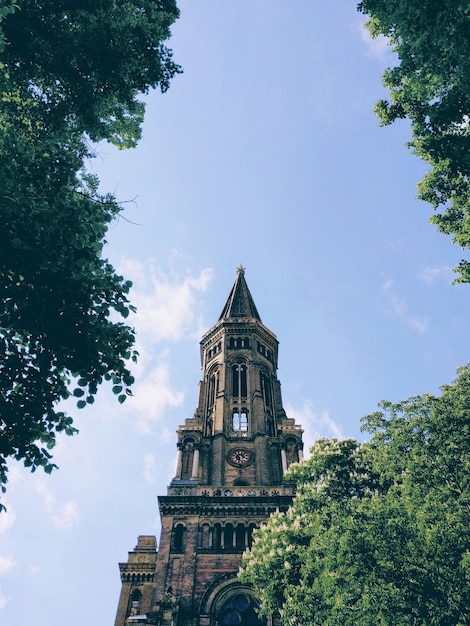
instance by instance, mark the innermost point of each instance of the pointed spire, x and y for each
(240, 303)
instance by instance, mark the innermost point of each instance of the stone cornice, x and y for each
(234, 506)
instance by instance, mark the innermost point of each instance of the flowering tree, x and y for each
(379, 533)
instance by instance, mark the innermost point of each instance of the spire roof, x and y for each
(240, 302)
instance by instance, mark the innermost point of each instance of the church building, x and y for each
(231, 459)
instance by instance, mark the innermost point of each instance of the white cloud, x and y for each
(7, 563)
(166, 304)
(399, 307)
(153, 394)
(315, 424)
(167, 310)
(66, 516)
(437, 274)
(63, 516)
(378, 48)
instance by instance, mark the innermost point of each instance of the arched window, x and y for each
(187, 450)
(239, 380)
(178, 537)
(217, 536)
(240, 421)
(136, 597)
(266, 391)
(292, 451)
(251, 528)
(213, 389)
(228, 536)
(240, 608)
(240, 536)
(205, 536)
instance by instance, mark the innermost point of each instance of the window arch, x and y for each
(187, 450)
(292, 451)
(135, 601)
(228, 536)
(239, 608)
(251, 528)
(266, 391)
(205, 536)
(239, 380)
(240, 421)
(212, 391)
(240, 535)
(178, 537)
(217, 536)
(213, 388)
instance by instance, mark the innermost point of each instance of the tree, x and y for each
(431, 86)
(70, 72)
(379, 533)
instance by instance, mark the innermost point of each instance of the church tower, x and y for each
(231, 459)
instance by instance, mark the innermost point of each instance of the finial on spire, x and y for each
(240, 303)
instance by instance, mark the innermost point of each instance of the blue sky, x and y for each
(266, 152)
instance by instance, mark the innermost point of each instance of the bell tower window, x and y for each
(266, 391)
(188, 456)
(239, 380)
(178, 537)
(240, 422)
(292, 451)
(213, 389)
(136, 598)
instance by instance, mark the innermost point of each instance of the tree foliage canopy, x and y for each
(379, 533)
(431, 86)
(69, 72)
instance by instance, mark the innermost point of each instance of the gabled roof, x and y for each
(240, 303)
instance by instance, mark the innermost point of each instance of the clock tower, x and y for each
(231, 459)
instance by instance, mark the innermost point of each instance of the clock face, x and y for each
(240, 457)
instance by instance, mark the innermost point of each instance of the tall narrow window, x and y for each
(136, 598)
(240, 536)
(205, 536)
(266, 391)
(187, 461)
(178, 537)
(239, 381)
(251, 528)
(213, 389)
(292, 452)
(217, 536)
(228, 536)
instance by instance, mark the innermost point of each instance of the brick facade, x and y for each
(231, 457)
